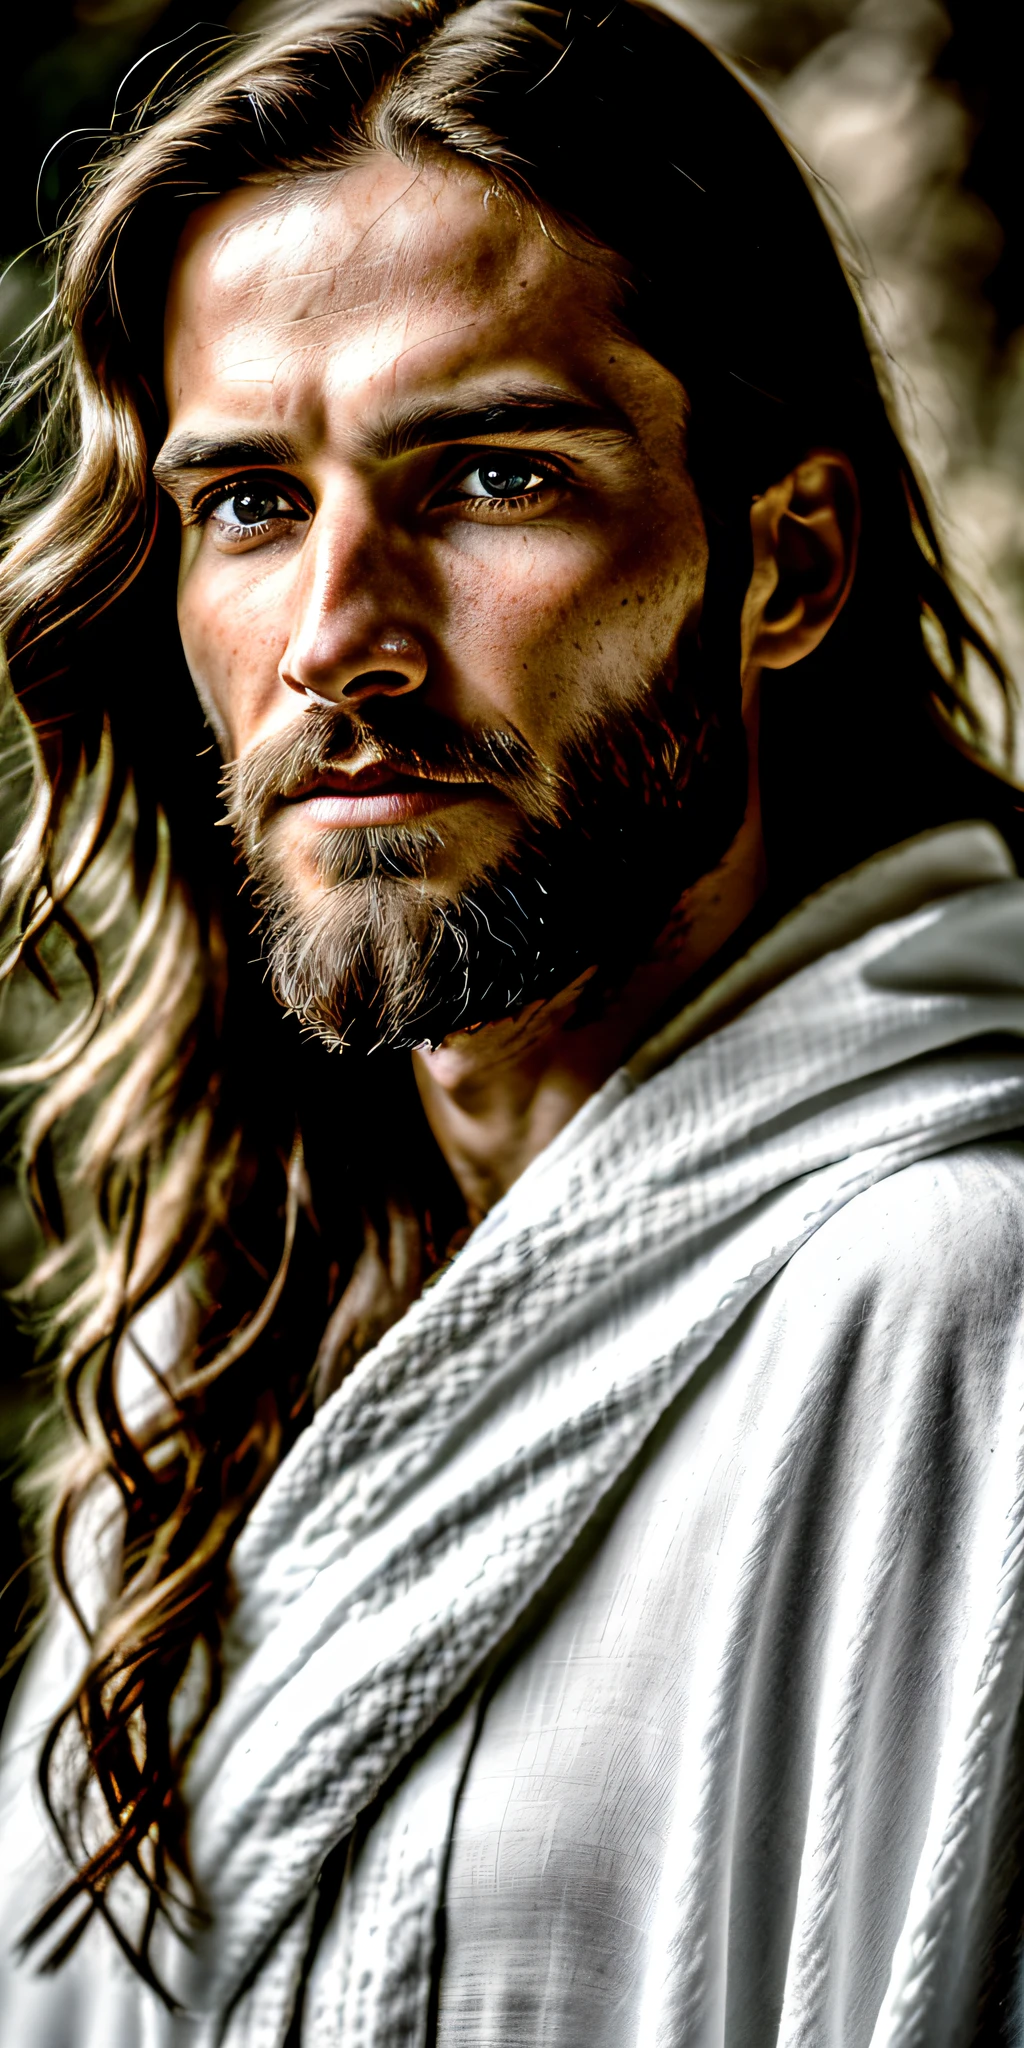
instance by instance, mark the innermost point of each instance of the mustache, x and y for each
(402, 735)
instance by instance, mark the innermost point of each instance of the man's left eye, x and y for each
(503, 479)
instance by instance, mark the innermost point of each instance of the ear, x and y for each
(805, 532)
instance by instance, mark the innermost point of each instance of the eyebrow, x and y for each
(512, 412)
(199, 451)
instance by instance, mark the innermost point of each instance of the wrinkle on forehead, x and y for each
(392, 225)
(372, 276)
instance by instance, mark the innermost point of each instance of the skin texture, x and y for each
(347, 318)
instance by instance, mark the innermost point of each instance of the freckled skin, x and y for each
(318, 310)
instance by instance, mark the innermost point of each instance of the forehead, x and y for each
(383, 276)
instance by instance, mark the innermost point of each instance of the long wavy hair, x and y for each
(181, 1140)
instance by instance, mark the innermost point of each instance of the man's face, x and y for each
(442, 569)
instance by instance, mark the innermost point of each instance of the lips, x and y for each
(378, 794)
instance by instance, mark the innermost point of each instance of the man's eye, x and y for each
(250, 508)
(246, 508)
(502, 479)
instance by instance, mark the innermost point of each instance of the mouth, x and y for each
(378, 795)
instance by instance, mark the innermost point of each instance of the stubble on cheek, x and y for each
(606, 640)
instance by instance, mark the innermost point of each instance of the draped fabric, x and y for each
(648, 1308)
(749, 1781)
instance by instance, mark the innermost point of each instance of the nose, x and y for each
(346, 644)
(390, 664)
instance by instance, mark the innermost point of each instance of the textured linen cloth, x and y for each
(632, 1650)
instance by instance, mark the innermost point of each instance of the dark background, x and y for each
(63, 62)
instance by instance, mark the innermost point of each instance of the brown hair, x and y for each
(167, 1136)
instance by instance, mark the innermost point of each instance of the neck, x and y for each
(494, 1098)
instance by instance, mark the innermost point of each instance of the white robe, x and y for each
(644, 1618)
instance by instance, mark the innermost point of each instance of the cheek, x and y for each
(558, 633)
(232, 644)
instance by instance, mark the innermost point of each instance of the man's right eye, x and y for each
(253, 507)
(247, 509)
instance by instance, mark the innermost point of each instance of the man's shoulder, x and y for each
(939, 1240)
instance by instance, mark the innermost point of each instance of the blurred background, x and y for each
(906, 111)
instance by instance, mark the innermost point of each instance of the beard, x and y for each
(641, 806)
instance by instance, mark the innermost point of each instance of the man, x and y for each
(630, 1646)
